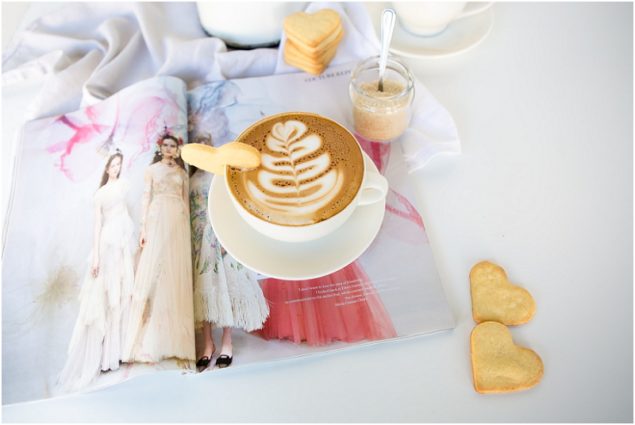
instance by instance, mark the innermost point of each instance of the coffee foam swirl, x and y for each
(311, 168)
(293, 182)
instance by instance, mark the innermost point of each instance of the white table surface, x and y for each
(544, 187)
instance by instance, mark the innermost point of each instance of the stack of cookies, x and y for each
(312, 39)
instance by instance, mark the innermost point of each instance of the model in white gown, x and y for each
(161, 321)
(105, 293)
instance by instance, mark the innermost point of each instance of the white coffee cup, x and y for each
(246, 24)
(428, 18)
(373, 188)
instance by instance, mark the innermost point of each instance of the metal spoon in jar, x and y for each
(387, 26)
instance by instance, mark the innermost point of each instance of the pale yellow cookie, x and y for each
(295, 59)
(323, 58)
(214, 160)
(312, 29)
(317, 52)
(499, 365)
(495, 298)
(315, 69)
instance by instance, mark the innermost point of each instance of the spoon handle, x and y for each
(387, 27)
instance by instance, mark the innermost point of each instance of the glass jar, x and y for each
(381, 115)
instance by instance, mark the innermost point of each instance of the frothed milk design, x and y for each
(310, 170)
(290, 184)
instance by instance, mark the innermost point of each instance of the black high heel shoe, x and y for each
(203, 362)
(223, 361)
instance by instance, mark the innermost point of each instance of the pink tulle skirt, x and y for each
(342, 306)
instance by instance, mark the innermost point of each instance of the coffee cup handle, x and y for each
(374, 190)
(473, 9)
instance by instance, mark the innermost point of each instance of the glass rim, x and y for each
(372, 63)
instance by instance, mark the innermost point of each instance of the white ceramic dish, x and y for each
(292, 260)
(460, 36)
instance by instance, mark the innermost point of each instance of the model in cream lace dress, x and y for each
(226, 294)
(104, 297)
(161, 318)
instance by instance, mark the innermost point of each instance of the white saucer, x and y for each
(460, 36)
(286, 260)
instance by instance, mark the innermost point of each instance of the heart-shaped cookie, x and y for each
(318, 53)
(495, 298)
(300, 62)
(214, 160)
(312, 29)
(499, 365)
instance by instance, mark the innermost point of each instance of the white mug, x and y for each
(373, 188)
(427, 18)
(246, 24)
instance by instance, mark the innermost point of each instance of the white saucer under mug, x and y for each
(292, 260)
(460, 35)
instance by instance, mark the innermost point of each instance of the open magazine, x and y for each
(111, 268)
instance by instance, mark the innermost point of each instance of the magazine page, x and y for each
(80, 296)
(112, 268)
(391, 291)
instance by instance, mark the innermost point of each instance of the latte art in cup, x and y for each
(311, 169)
